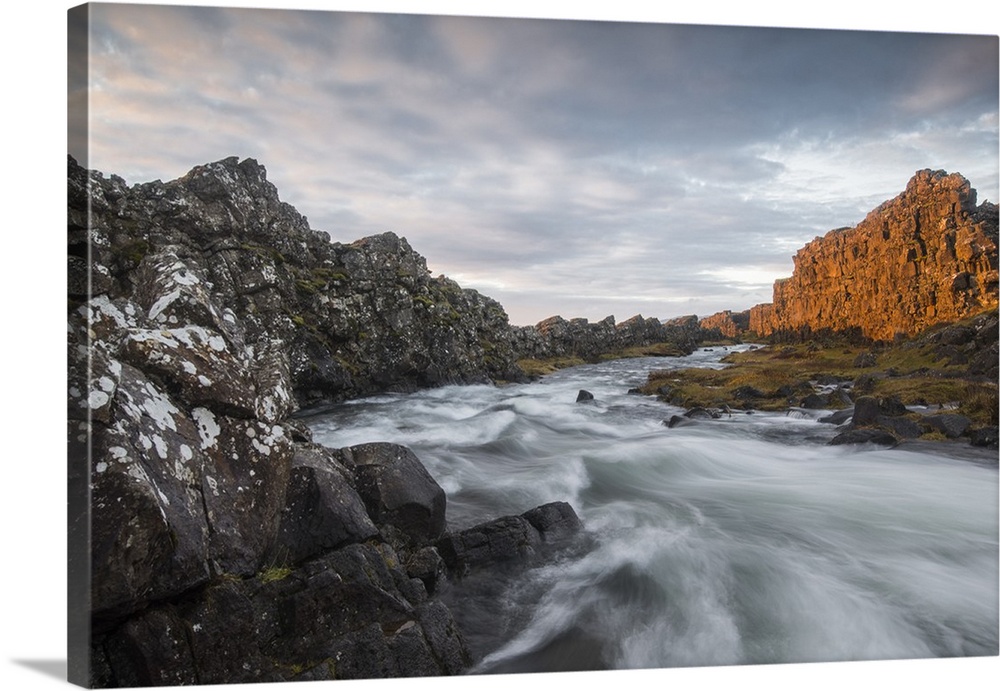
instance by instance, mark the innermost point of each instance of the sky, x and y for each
(561, 166)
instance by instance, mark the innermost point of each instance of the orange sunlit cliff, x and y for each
(925, 257)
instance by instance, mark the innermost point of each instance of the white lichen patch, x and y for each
(203, 380)
(163, 303)
(159, 408)
(161, 446)
(213, 484)
(208, 428)
(101, 308)
(183, 276)
(97, 399)
(189, 367)
(182, 472)
(186, 453)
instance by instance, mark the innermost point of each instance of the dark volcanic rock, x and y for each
(864, 436)
(509, 538)
(342, 616)
(397, 490)
(322, 509)
(987, 437)
(584, 396)
(950, 425)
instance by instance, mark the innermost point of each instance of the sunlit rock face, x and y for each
(727, 324)
(926, 257)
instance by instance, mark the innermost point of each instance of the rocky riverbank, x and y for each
(941, 385)
(224, 545)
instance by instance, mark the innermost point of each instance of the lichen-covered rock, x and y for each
(926, 257)
(218, 249)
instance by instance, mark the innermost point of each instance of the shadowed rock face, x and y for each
(929, 256)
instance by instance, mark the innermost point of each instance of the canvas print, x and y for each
(410, 345)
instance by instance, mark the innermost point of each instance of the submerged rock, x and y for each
(865, 436)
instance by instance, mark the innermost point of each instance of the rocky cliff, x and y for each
(215, 543)
(926, 257)
(350, 319)
(725, 324)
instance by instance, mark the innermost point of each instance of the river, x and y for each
(742, 540)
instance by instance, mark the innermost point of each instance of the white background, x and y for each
(32, 391)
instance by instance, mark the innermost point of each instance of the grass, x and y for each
(539, 368)
(774, 377)
(274, 573)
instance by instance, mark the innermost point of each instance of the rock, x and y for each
(986, 437)
(559, 337)
(322, 510)
(503, 539)
(937, 264)
(864, 436)
(677, 421)
(584, 396)
(725, 324)
(839, 417)
(397, 490)
(509, 538)
(746, 393)
(865, 359)
(891, 406)
(901, 427)
(346, 319)
(815, 401)
(949, 424)
(342, 616)
(868, 410)
(554, 521)
(699, 413)
(427, 565)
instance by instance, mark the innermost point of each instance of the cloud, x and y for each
(562, 166)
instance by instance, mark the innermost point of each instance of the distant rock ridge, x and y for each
(926, 257)
(559, 337)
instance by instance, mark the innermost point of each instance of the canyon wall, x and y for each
(926, 257)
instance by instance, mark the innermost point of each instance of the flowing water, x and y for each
(742, 540)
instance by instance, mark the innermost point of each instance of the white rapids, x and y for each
(743, 540)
